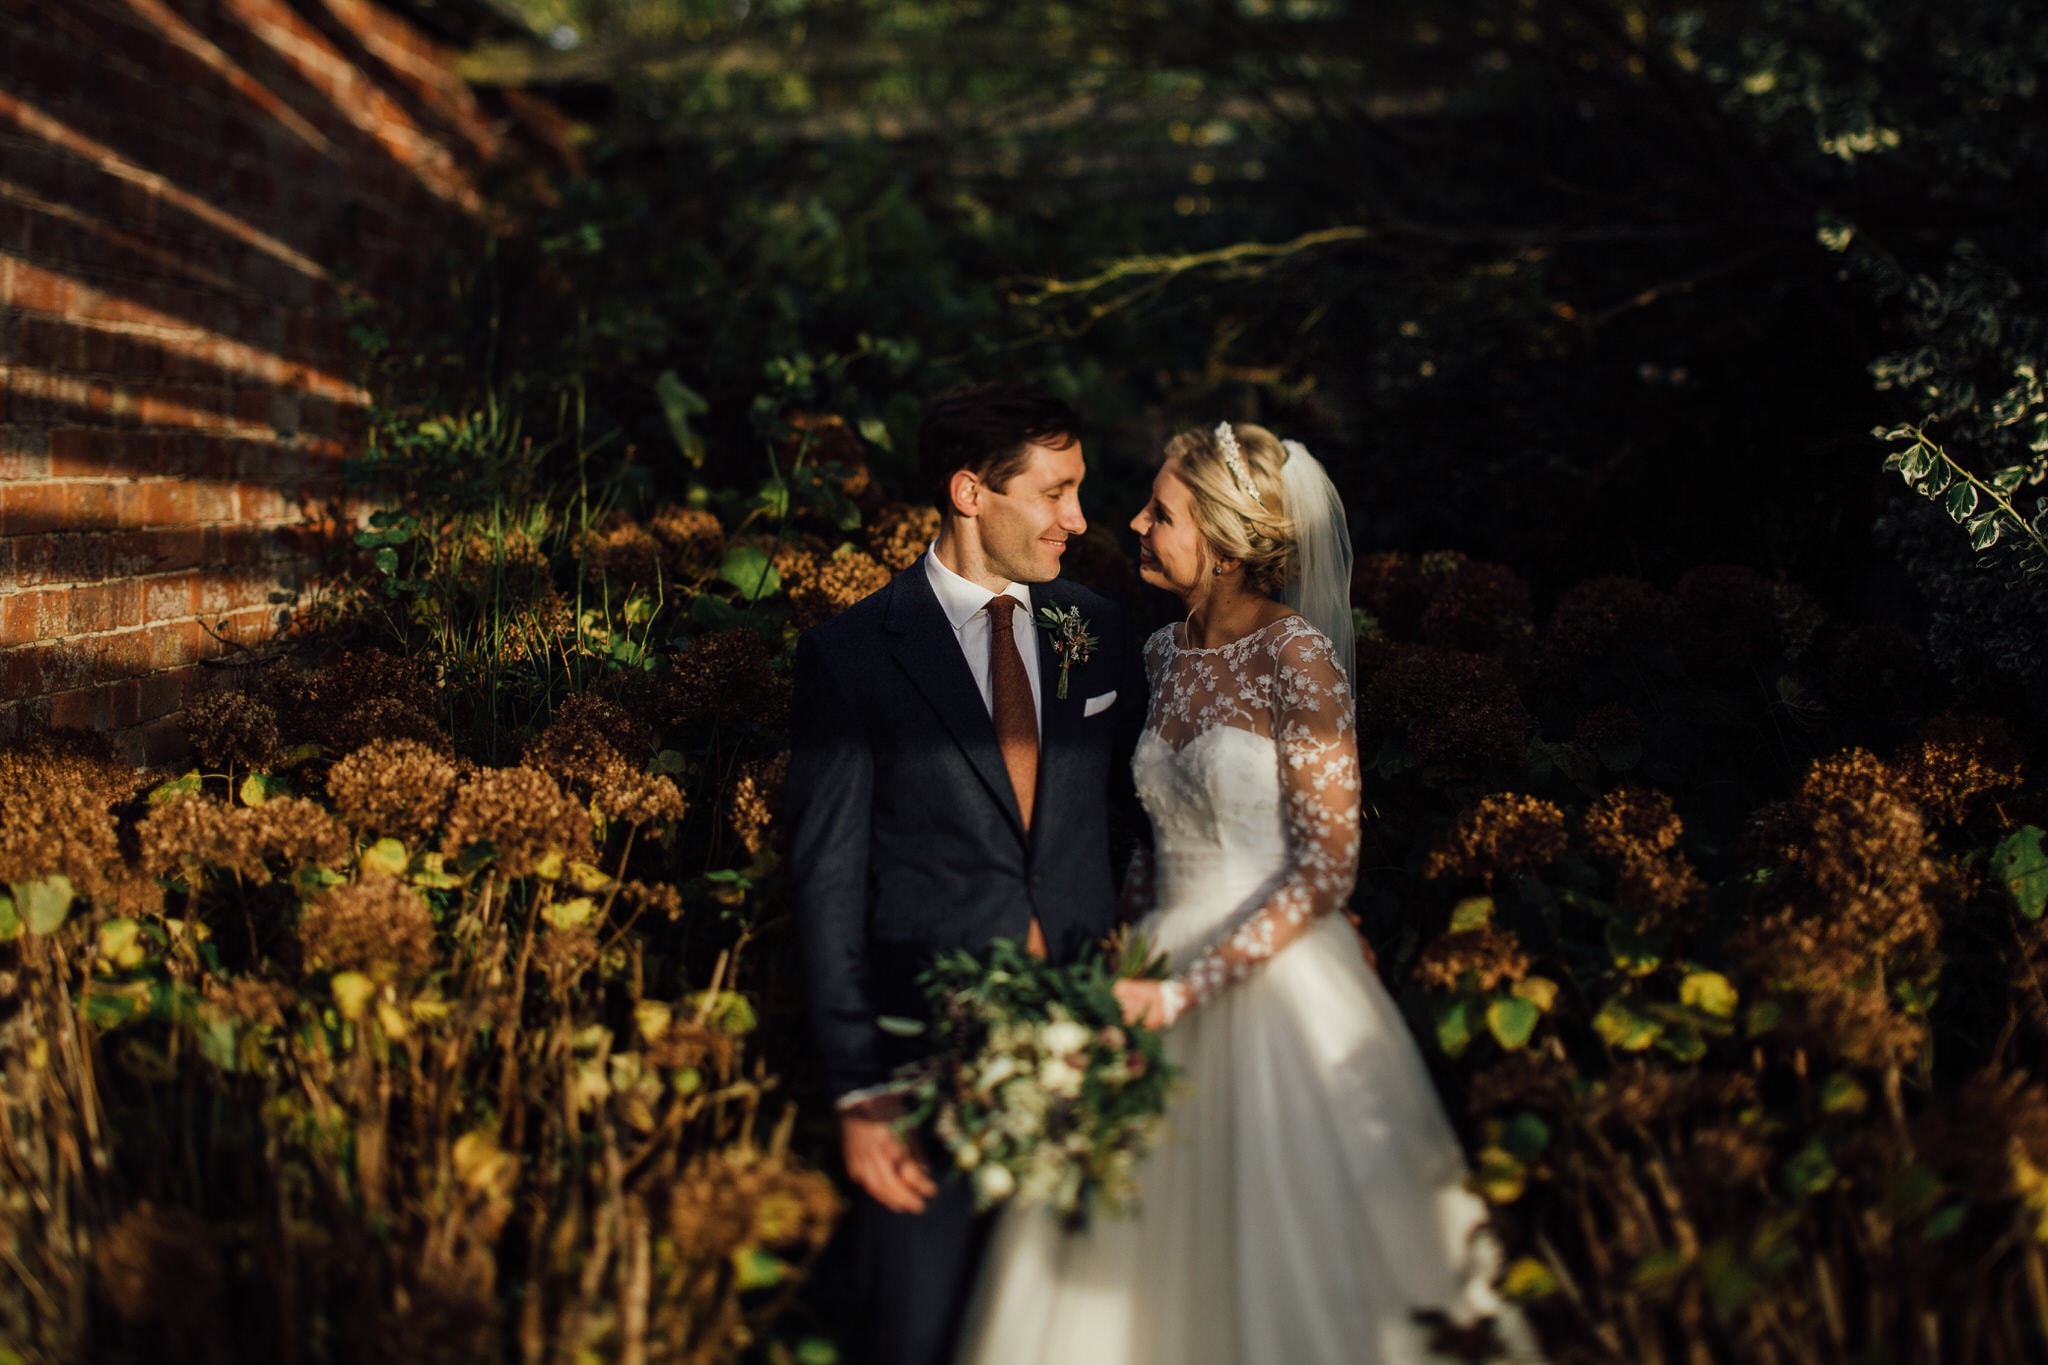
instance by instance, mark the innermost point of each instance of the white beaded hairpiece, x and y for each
(1233, 460)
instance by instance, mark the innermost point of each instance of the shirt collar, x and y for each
(959, 598)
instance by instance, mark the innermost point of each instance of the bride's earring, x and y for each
(1218, 571)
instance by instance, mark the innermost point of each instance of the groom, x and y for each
(943, 794)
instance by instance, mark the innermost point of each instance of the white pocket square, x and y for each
(1097, 705)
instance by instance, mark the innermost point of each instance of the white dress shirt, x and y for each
(964, 603)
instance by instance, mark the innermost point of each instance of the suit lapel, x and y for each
(1059, 721)
(930, 653)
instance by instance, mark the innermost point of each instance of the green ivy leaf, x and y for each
(1453, 1028)
(1985, 530)
(1512, 1021)
(1843, 1094)
(748, 568)
(386, 561)
(1525, 1135)
(2021, 864)
(679, 403)
(1946, 1223)
(1810, 1170)
(1962, 502)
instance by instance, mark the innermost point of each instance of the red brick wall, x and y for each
(182, 185)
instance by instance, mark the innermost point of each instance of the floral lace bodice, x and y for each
(1249, 771)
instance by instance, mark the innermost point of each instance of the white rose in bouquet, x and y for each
(994, 1183)
(1064, 1037)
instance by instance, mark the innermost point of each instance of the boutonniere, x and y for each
(1069, 636)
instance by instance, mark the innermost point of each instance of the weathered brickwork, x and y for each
(182, 185)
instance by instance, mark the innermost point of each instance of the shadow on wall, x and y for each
(184, 187)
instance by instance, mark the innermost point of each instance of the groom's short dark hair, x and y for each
(985, 430)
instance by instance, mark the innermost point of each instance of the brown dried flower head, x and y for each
(691, 537)
(726, 674)
(156, 1269)
(396, 787)
(1608, 726)
(187, 834)
(55, 797)
(1528, 1079)
(1602, 616)
(621, 551)
(837, 583)
(524, 814)
(730, 1200)
(1390, 587)
(1956, 759)
(900, 532)
(1492, 955)
(378, 926)
(1478, 607)
(1448, 705)
(233, 731)
(757, 801)
(1631, 821)
(1727, 1155)
(598, 750)
(1501, 836)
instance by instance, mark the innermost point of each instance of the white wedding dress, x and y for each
(1308, 1197)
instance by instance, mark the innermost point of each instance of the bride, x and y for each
(1309, 1196)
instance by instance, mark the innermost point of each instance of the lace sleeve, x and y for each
(1314, 729)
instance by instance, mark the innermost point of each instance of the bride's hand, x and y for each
(1142, 1002)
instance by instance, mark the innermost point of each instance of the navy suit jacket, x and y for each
(905, 837)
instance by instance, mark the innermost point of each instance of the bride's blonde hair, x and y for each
(1256, 531)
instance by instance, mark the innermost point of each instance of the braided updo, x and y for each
(1257, 532)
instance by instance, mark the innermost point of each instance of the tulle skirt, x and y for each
(1308, 1199)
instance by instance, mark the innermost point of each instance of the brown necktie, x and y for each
(1016, 720)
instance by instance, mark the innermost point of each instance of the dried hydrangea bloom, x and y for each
(1956, 759)
(233, 730)
(590, 746)
(1390, 587)
(622, 551)
(1527, 1079)
(378, 926)
(562, 955)
(1601, 616)
(901, 532)
(1448, 705)
(267, 1003)
(1981, 1131)
(385, 718)
(692, 538)
(1479, 607)
(686, 1044)
(756, 803)
(719, 675)
(729, 1200)
(1500, 836)
(325, 703)
(1631, 821)
(837, 584)
(185, 835)
(1609, 726)
(395, 787)
(1636, 1093)
(1492, 955)
(1729, 1154)
(55, 798)
(505, 562)
(299, 833)
(660, 900)
(1852, 888)
(1727, 616)
(524, 813)
(156, 1269)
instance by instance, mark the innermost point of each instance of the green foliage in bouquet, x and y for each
(1036, 1087)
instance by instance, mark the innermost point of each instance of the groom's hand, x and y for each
(878, 1158)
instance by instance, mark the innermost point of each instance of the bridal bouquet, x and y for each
(1035, 1086)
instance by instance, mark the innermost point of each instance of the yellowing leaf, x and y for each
(1498, 1177)
(651, 1017)
(255, 791)
(1710, 993)
(428, 870)
(1843, 1094)
(569, 914)
(549, 868)
(1539, 991)
(352, 992)
(1528, 1279)
(1511, 1021)
(120, 945)
(1622, 1027)
(386, 857)
(396, 1025)
(484, 1167)
(44, 904)
(588, 878)
(1474, 912)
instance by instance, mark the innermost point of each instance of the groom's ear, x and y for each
(964, 490)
